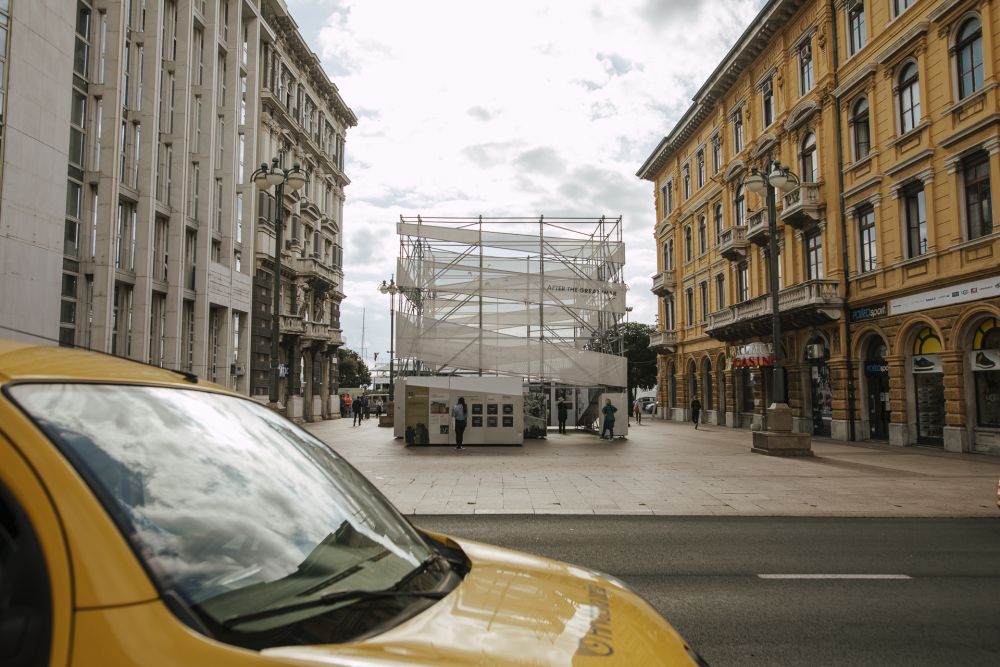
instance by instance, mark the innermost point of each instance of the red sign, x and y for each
(751, 361)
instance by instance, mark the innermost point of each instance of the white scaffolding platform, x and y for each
(537, 298)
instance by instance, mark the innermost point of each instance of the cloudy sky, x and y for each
(521, 108)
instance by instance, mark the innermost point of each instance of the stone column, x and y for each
(324, 389)
(840, 427)
(898, 430)
(307, 360)
(956, 435)
(732, 409)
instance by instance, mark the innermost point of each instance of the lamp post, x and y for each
(778, 439)
(278, 177)
(392, 290)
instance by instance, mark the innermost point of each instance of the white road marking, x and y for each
(834, 576)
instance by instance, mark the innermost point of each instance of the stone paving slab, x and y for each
(668, 468)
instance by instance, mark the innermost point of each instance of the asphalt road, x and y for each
(704, 576)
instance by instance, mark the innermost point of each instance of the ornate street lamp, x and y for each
(392, 290)
(778, 439)
(278, 177)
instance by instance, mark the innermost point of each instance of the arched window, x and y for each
(808, 172)
(986, 371)
(969, 55)
(718, 221)
(702, 235)
(668, 261)
(666, 257)
(688, 251)
(739, 206)
(862, 131)
(909, 98)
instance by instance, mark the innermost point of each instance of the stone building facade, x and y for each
(887, 111)
(127, 220)
(303, 120)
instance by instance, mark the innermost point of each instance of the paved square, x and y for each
(667, 468)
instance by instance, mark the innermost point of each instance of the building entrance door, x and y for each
(877, 381)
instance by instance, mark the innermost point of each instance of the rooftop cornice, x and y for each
(751, 43)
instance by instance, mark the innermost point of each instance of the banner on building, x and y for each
(984, 360)
(983, 288)
(927, 363)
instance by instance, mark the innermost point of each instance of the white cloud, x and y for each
(520, 108)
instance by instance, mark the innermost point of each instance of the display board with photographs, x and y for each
(491, 421)
(508, 421)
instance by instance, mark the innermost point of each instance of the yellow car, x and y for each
(150, 518)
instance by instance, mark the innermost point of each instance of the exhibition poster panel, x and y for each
(440, 416)
(417, 416)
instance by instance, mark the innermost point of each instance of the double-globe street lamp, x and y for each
(278, 177)
(778, 439)
(392, 290)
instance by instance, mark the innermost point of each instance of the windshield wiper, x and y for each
(338, 596)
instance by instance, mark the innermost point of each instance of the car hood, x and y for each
(516, 609)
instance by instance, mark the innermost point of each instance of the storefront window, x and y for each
(986, 371)
(928, 380)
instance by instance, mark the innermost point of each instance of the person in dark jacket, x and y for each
(695, 412)
(357, 409)
(460, 415)
(562, 411)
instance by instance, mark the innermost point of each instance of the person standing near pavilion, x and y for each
(562, 412)
(459, 413)
(609, 419)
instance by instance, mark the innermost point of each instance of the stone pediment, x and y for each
(800, 114)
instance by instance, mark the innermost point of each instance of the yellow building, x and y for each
(887, 112)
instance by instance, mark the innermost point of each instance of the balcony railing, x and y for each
(733, 243)
(809, 303)
(758, 229)
(802, 206)
(663, 342)
(292, 324)
(664, 283)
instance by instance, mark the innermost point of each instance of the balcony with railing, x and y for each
(733, 243)
(758, 227)
(313, 268)
(802, 205)
(663, 342)
(664, 283)
(806, 304)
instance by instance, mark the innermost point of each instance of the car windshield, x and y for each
(232, 507)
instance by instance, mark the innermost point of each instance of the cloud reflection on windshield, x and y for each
(218, 493)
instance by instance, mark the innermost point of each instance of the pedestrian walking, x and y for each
(695, 412)
(358, 411)
(348, 404)
(366, 406)
(459, 413)
(378, 408)
(637, 411)
(562, 411)
(609, 419)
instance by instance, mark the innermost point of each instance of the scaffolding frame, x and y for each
(537, 297)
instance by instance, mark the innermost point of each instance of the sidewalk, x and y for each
(667, 468)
